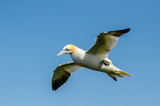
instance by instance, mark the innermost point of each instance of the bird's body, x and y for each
(84, 59)
(90, 61)
(95, 58)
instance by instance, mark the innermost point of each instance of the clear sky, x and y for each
(32, 32)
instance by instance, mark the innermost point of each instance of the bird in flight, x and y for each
(96, 58)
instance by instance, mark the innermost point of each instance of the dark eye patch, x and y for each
(66, 49)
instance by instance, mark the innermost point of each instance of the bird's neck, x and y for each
(79, 53)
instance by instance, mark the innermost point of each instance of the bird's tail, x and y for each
(122, 74)
(118, 73)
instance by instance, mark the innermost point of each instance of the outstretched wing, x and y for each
(62, 73)
(105, 42)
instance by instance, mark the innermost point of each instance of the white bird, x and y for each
(95, 58)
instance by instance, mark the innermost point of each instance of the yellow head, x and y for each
(68, 49)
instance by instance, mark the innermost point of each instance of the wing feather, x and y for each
(106, 42)
(62, 73)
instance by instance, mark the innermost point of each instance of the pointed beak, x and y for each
(61, 52)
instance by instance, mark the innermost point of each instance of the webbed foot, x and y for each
(105, 62)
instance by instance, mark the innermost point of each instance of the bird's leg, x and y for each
(106, 63)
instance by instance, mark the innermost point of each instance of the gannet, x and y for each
(96, 58)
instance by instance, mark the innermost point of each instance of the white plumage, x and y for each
(95, 58)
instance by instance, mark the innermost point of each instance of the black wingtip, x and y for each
(56, 83)
(119, 33)
(127, 30)
(123, 31)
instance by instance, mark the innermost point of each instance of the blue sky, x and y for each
(32, 32)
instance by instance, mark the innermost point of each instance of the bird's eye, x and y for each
(66, 49)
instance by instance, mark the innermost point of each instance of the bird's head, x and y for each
(68, 49)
